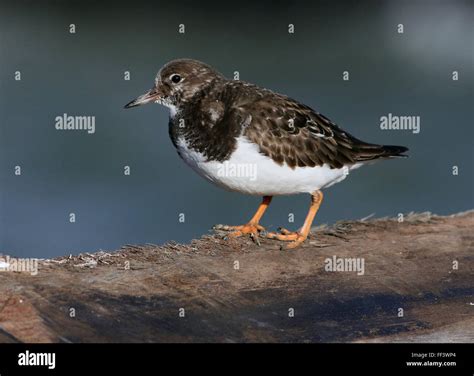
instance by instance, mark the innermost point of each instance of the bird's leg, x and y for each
(298, 237)
(252, 227)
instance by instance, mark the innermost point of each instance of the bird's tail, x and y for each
(368, 152)
(394, 151)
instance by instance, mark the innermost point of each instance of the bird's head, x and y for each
(177, 82)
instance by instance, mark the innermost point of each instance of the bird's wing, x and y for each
(294, 134)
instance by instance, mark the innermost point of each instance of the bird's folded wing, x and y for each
(294, 134)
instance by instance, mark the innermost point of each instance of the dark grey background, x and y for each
(82, 74)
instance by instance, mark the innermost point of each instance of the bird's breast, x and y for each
(248, 171)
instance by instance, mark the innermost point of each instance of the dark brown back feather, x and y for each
(294, 134)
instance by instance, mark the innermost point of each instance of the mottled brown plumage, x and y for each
(293, 133)
(285, 130)
(213, 111)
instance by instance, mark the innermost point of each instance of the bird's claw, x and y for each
(253, 229)
(254, 237)
(294, 238)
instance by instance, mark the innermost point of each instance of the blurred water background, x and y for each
(67, 172)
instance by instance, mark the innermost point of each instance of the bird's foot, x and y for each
(253, 229)
(295, 238)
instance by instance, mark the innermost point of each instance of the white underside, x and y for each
(248, 171)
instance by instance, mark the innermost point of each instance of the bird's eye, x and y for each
(175, 78)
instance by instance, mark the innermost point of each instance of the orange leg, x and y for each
(298, 237)
(252, 227)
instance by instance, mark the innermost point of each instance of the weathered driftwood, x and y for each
(233, 290)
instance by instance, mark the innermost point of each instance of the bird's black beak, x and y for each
(148, 97)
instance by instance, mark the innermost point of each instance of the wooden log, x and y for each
(416, 285)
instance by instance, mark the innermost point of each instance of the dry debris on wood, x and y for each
(417, 285)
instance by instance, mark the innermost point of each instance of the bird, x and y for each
(248, 139)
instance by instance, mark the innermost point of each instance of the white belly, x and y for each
(248, 171)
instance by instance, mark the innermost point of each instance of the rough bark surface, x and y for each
(139, 293)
